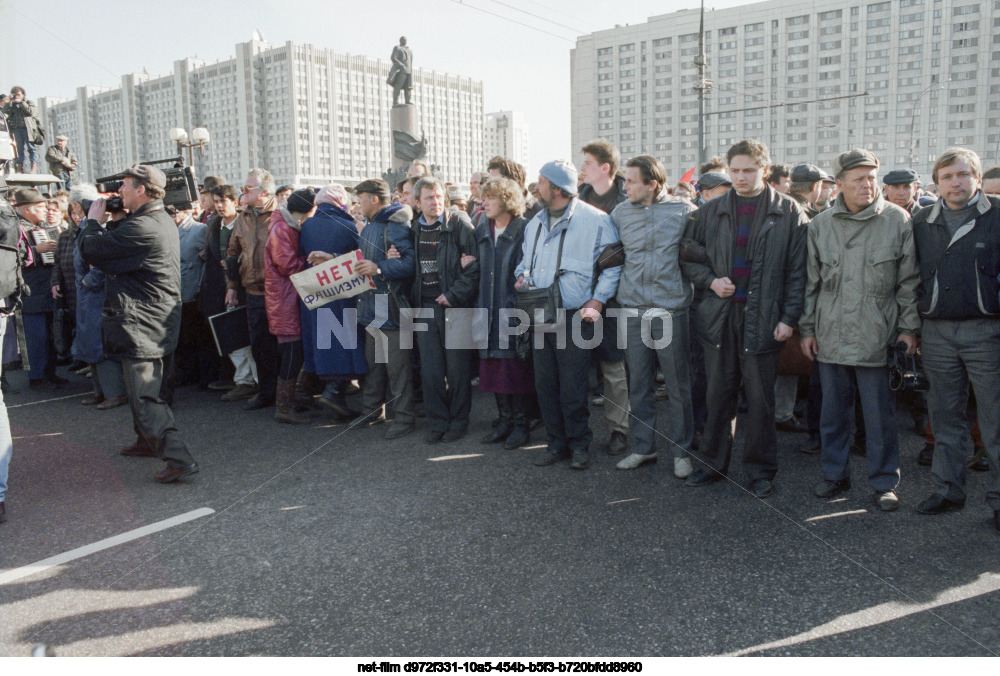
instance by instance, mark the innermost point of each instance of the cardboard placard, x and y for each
(334, 280)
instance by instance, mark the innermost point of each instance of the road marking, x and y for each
(830, 516)
(455, 457)
(6, 577)
(45, 401)
(618, 502)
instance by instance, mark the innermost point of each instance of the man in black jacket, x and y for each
(142, 310)
(751, 279)
(441, 237)
(958, 246)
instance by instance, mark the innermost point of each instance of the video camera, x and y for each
(181, 183)
(904, 370)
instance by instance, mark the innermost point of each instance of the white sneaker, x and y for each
(682, 468)
(634, 460)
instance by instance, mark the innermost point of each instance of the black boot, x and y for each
(506, 426)
(521, 433)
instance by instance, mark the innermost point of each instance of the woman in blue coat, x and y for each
(331, 232)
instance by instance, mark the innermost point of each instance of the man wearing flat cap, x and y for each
(712, 184)
(860, 300)
(580, 232)
(806, 186)
(142, 309)
(62, 161)
(901, 187)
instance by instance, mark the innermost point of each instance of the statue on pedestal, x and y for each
(401, 73)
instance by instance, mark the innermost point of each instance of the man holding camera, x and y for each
(142, 311)
(860, 299)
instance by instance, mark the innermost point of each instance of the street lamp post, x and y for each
(199, 137)
(913, 119)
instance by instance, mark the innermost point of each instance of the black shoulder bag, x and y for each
(541, 304)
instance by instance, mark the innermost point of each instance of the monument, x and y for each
(403, 117)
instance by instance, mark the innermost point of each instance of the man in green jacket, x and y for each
(861, 298)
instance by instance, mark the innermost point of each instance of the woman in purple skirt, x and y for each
(500, 234)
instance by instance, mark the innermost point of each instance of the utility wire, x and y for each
(519, 23)
(537, 16)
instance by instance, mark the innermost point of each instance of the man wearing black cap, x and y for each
(712, 184)
(860, 299)
(901, 186)
(827, 193)
(37, 309)
(142, 310)
(806, 186)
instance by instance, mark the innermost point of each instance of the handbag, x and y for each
(541, 304)
(794, 362)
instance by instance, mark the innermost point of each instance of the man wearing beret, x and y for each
(958, 243)
(751, 279)
(142, 310)
(860, 300)
(901, 186)
(562, 361)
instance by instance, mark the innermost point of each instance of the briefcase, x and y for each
(230, 330)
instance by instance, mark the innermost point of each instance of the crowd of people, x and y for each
(764, 291)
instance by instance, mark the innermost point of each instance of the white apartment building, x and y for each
(903, 78)
(308, 115)
(507, 136)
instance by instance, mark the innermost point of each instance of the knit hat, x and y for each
(301, 201)
(561, 173)
(335, 194)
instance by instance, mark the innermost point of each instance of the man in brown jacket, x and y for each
(245, 269)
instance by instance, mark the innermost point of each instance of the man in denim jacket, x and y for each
(562, 352)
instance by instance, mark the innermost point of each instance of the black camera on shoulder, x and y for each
(904, 370)
(182, 186)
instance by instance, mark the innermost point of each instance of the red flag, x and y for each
(688, 175)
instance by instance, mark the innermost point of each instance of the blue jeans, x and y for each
(41, 349)
(6, 445)
(878, 405)
(26, 150)
(674, 362)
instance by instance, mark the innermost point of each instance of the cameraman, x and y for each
(142, 310)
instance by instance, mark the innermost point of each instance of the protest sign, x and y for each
(334, 280)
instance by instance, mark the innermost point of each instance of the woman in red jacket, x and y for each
(281, 261)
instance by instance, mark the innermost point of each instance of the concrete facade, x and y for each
(903, 78)
(308, 115)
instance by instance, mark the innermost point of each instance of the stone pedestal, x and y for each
(405, 134)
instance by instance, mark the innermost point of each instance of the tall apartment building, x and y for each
(506, 135)
(308, 115)
(903, 78)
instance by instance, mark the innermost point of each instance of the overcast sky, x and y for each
(52, 47)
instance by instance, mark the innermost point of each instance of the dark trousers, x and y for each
(151, 415)
(445, 375)
(561, 383)
(41, 348)
(699, 381)
(196, 359)
(878, 405)
(726, 366)
(292, 357)
(264, 347)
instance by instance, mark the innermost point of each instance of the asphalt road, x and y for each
(332, 541)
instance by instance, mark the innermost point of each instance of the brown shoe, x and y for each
(171, 474)
(113, 402)
(92, 399)
(240, 392)
(285, 404)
